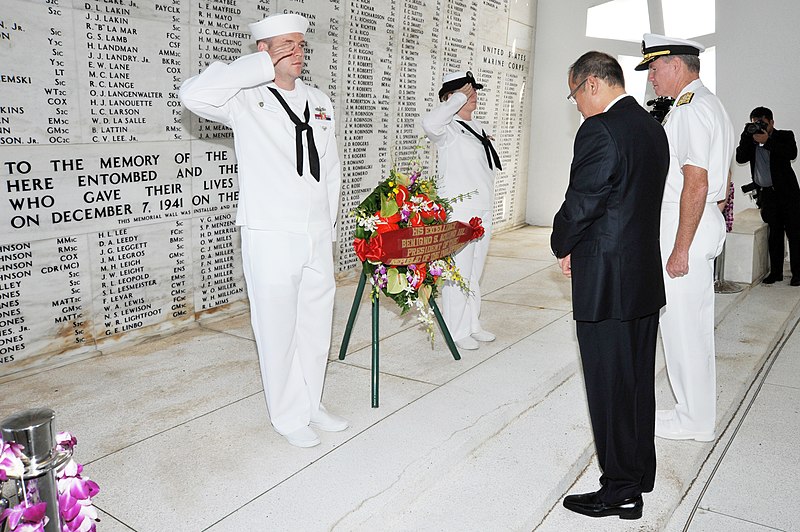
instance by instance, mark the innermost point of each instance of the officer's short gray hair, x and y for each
(692, 62)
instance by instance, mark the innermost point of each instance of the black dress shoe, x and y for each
(770, 279)
(795, 281)
(591, 505)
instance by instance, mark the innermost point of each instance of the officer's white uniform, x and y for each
(287, 225)
(463, 168)
(700, 134)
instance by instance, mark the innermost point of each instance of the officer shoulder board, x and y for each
(686, 98)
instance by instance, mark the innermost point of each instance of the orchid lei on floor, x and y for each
(75, 492)
(405, 200)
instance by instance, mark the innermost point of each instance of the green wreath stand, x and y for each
(362, 281)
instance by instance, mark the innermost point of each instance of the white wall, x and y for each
(751, 72)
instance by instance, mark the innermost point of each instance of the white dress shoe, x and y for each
(483, 336)
(302, 437)
(324, 420)
(669, 428)
(467, 343)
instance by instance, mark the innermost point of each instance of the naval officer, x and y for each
(467, 163)
(289, 183)
(701, 144)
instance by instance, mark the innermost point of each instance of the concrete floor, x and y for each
(176, 433)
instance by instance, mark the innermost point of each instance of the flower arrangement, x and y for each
(400, 201)
(727, 212)
(74, 492)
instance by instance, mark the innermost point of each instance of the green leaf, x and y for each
(396, 282)
(424, 293)
(388, 206)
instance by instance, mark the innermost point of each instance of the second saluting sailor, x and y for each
(467, 162)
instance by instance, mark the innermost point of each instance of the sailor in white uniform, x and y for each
(701, 141)
(289, 183)
(467, 163)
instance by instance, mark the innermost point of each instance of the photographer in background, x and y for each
(770, 153)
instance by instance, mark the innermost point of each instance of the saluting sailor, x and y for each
(701, 141)
(289, 182)
(467, 162)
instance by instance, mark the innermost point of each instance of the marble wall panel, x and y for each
(118, 206)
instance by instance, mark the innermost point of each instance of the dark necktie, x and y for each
(299, 127)
(491, 155)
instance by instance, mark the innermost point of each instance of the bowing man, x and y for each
(606, 238)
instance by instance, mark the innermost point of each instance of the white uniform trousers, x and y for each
(291, 287)
(687, 321)
(459, 310)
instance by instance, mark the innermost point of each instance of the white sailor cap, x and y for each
(455, 80)
(279, 24)
(655, 46)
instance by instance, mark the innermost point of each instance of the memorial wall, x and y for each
(118, 205)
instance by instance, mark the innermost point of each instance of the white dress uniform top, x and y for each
(463, 167)
(287, 225)
(700, 134)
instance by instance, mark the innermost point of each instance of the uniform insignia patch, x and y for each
(686, 98)
(321, 114)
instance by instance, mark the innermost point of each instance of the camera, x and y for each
(752, 128)
(749, 187)
(660, 107)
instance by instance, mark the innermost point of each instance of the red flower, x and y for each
(421, 272)
(441, 214)
(477, 228)
(389, 223)
(428, 213)
(416, 220)
(401, 196)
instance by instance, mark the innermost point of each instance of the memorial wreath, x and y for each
(405, 243)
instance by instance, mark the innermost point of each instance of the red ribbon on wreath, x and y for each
(477, 228)
(372, 250)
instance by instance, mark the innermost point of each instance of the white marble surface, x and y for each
(746, 253)
(757, 479)
(705, 521)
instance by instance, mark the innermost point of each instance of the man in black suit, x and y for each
(770, 153)
(606, 238)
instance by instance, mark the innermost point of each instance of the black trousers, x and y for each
(781, 213)
(619, 371)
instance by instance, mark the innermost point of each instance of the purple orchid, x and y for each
(77, 515)
(65, 441)
(80, 488)
(10, 460)
(23, 518)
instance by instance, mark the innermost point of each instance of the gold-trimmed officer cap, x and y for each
(655, 46)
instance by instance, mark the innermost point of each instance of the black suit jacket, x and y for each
(609, 221)
(782, 150)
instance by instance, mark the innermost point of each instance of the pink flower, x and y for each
(10, 460)
(65, 441)
(77, 487)
(77, 515)
(23, 518)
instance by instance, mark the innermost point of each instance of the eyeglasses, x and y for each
(571, 95)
